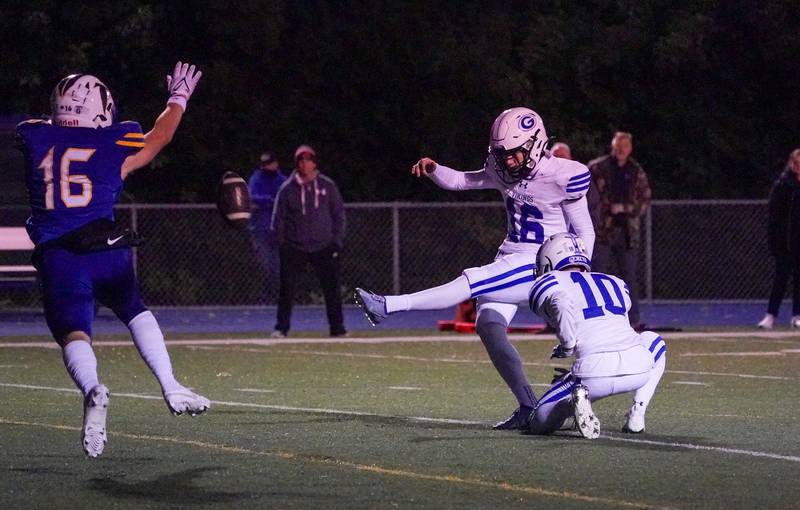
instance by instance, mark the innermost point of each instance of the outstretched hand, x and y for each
(182, 82)
(423, 167)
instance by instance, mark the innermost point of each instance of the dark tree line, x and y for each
(708, 88)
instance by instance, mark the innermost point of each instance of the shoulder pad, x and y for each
(31, 123)
(578, 178)
(128, 134)
(540, 289)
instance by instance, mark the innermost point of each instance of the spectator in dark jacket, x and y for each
(264, 184)
(784, 240)
(618, 200)
(309, 224)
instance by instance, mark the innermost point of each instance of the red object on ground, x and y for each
(469, 327)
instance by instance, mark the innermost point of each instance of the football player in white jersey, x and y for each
(542, 195)
(589, 312)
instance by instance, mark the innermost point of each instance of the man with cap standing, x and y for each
(309, 225)
(264, 184)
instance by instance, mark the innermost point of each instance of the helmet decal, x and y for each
(527, 122)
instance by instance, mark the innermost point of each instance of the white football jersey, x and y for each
(535, 208)
(589, 311)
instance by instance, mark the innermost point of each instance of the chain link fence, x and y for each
(708, 250)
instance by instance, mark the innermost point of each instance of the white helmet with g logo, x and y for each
(81, 100)
(517, 143)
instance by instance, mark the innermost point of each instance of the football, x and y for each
(234, 200)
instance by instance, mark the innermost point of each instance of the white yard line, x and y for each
(425, 419)
(724, 336)
(406, 388)
(690, 383)
(254, 390)
(782, 352)
(483, 362)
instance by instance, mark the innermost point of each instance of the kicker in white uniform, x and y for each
(542, 195)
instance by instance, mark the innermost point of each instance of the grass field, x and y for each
(386, 423)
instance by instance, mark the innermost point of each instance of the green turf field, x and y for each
(398, 425)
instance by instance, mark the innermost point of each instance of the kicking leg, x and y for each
(443, 296)
(377, 307)
(508, 279)
(491, 325)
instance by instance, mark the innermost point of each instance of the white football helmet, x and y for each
(562, 250)
(517, 143)
(82, 100)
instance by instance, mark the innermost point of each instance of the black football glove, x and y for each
(560, 352)
(559, 374)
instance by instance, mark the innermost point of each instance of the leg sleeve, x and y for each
(492, 321)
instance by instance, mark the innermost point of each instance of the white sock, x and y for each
(81, 364)
(149, 339)
(443, 296)
(644, 395)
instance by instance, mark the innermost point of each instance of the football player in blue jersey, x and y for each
(75, 165)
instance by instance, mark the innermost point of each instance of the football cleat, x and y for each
(518, 420)
(95, 410)
(277, 334)
(768, 322)
(373, 305)
(635, 420)
(585, 419)
(795, 322)
(183, 400)
(568, 424)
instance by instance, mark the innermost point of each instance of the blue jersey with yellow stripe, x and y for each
(73, 175)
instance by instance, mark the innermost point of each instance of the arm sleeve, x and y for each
(447, 178)
(560, 314)
(577, 213)
(338, 219)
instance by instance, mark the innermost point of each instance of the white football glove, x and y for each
(181, 84)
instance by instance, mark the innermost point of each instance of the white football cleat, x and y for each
(95, 410)
(635, 420)
(585, 419)
(183, 400)
(767, 322)
(795, 322)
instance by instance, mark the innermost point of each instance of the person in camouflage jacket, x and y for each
(619, 198)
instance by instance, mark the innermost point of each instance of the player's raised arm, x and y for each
(181, 84)
(448, 178)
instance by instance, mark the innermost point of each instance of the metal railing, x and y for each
(693, 250)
